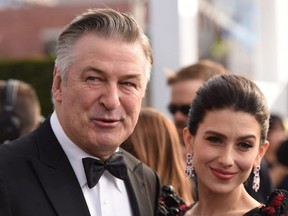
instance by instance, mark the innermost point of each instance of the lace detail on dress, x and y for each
(170, 203)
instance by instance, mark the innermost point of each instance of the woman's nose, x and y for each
(226, 158)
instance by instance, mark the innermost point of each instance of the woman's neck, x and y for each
(237, 202)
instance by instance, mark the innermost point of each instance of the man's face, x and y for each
(182, 94)
(98, 106)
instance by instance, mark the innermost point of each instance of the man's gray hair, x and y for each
(105, 23)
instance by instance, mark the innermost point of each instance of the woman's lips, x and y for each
(222, 175)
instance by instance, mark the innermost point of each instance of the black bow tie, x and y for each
(95, 168)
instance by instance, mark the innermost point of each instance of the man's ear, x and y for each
(57, 85)
(188, 140)
(262, 150)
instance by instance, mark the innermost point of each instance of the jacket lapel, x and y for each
(139, 185)
(57, 176)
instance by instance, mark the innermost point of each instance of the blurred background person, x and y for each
(155, 142)
(20, 111)
(276, 136)
(184, 85)
(282, 153)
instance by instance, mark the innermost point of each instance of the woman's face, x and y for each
(225, 149)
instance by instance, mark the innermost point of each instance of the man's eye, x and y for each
(92, 78)
(128, 84)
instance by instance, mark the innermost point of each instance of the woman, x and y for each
(155, 142)
(226, 139)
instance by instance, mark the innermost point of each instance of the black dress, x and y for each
(170, 204)
(276, 205)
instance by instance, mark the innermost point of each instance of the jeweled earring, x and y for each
(256, 179)
(189, 171)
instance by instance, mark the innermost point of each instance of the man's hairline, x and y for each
(148, 66)
(177, 81)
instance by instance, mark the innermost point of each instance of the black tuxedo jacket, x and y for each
(36, 179)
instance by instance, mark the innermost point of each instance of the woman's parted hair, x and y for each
(229, 91)
(105, 23)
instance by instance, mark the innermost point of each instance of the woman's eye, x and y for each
(245, 145)
(213, 139)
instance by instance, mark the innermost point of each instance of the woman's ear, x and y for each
(188, 139)
(262, 150)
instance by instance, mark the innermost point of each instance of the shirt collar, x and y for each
(74, 153)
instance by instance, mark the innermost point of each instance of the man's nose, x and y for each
(110, 97)
(179, 116)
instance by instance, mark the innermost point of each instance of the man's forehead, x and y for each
(187, 85)
(184, 92)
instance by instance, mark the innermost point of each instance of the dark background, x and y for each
(36, 72)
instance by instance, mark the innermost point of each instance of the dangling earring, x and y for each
(189, 171)
(256, 179)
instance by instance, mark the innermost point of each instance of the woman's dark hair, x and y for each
(229, 91)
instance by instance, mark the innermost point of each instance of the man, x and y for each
(101, 72)
(20, 111)
(184, 85)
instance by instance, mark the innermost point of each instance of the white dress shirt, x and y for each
(109, 197)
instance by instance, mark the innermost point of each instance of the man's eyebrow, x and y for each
(89, 68)
(132, 76)
(136, 75)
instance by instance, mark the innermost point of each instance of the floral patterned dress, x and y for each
(276, 205)
(170, 204)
